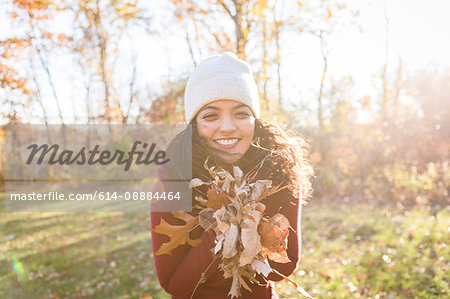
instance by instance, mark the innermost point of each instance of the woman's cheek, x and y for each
(205, 130)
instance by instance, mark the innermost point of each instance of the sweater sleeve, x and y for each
(179, 272)
(293, 214)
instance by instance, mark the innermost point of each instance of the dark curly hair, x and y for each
(284, 155)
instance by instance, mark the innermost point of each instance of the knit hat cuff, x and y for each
(222, 86)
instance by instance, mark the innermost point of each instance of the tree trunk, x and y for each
(241, 41)
(384, 102)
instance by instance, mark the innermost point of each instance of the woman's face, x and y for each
(228, 126)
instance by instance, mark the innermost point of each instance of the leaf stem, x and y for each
(300, 290)
(202, 277)
(193, 228)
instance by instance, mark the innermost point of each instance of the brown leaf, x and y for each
(179, 234)
(206, 219)
(259, 188)
(219, 244)
(229, 244)
(260, 207)
(279, 256)
(196, 182)
(244, 284)
(228, 178)
(261, 267)
(250, 239)
(216, 200)
(282, 222)
(238, 174)
(274, 234)
(235, 290)
(223, 223)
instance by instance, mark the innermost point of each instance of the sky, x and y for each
(419, 34)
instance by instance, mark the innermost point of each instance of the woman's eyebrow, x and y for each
(217, 108)
(211, 107)
(239, 106)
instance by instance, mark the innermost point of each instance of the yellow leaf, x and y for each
(329, 14)
(179, 234)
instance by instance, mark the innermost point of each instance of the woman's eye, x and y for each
(210, 116)
(243, 114)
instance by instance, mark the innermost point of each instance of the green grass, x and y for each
(76, 255)
(349, 251)
(374, 251)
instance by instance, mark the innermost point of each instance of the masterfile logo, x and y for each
(90, 157)
(93, 168)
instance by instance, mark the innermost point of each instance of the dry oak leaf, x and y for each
(250, 239)
(179, 234)
(206, 219)
(216, 200)
(229, 244)
(274, 234)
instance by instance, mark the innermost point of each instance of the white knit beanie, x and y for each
(220, 77)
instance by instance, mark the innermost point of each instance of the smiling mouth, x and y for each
(227, 143)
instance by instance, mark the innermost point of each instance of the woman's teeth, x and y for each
(226, 141)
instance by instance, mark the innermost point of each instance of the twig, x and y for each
(193, 228)
(273, 191)
(202, 277)
(254, 171)
(300, 290)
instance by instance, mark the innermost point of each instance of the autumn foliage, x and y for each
(399, 153)
(245, 237)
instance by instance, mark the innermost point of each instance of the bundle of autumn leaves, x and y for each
(245, 238)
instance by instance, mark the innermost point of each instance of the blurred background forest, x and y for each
(367, 83)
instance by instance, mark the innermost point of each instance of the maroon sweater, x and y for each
(179, 272)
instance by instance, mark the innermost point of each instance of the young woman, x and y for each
(222, 112)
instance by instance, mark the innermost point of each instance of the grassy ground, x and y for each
(350, 251)
(371, 251)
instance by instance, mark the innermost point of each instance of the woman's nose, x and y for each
(227, 124)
